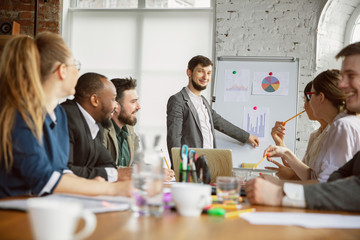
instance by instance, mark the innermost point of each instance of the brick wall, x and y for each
(273, 28)
(22, 11)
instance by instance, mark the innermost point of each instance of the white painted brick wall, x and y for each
(275, 28)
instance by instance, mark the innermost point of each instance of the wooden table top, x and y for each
(124, 225)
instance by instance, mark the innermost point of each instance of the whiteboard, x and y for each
(253, 93)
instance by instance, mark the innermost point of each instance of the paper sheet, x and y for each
(97, 204)
(308, 220)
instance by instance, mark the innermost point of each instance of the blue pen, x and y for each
(184, 156)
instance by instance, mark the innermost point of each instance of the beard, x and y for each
(126, 118)
(197, 86)
(106, 123)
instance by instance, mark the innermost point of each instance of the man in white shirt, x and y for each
(94, 103)
(342, 191)
(191, 120)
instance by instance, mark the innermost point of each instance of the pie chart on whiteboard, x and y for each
(270, 84)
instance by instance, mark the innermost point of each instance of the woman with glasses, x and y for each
(341, 140)
(284, 171)
(34, 149)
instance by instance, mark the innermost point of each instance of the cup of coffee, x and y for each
(54, 219)
(191, 198)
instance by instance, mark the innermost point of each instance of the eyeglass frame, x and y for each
(308, 95)
(77, 64)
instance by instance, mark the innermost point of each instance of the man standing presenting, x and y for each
(93, 104)
(191, 120)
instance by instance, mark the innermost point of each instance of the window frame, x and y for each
(350, 26)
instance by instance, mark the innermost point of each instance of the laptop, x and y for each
(219, 161)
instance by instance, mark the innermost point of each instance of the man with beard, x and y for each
(93, 104)
(119, 136)
(191, 120)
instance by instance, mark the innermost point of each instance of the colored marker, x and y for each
(292, 117)
(216, 211)
(165, 159)
(261, 160)
(227, 206)
(237, 213)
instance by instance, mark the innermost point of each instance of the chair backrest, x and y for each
(219, 161)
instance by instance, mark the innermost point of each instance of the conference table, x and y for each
(125, 225)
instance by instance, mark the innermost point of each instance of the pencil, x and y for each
(259, 162)
(227, 206)
(165, 159)
(292, 117)
(237, 213)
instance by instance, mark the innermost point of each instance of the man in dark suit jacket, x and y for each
(342, 191)
(94, 103)
(191, 120)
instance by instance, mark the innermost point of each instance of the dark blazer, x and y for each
(88, 157)
(183, 124)
(340, 193)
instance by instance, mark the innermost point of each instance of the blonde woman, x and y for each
(342, 140)
(34, 149)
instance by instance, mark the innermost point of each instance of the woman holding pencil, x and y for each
(342, 139)
(285, 172)
(34, 75)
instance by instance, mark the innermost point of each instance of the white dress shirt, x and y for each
(294, 195)
(197, 101)
(94, 129)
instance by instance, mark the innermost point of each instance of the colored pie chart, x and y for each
(270, 84)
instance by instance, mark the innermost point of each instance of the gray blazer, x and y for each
(183, 124)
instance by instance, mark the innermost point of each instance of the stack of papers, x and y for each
(97, 204)
(308, 220)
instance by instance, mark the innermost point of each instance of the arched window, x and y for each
(352, 33)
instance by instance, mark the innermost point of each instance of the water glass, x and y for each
(227, 189)
(147, 198)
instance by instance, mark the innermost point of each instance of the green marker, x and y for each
(216, 212)
(234, 72)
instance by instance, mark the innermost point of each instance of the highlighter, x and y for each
(216, 212)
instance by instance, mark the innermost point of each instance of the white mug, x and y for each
(54, 219)
(191, 198)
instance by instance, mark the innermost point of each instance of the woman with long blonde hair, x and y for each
(34, 148)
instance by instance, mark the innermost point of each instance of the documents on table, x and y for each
(308, 220)
(97, 204)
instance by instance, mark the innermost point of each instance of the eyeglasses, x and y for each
(77, 64)
(308, 95)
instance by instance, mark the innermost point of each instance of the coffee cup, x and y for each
(191, 198)
(54, 219)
